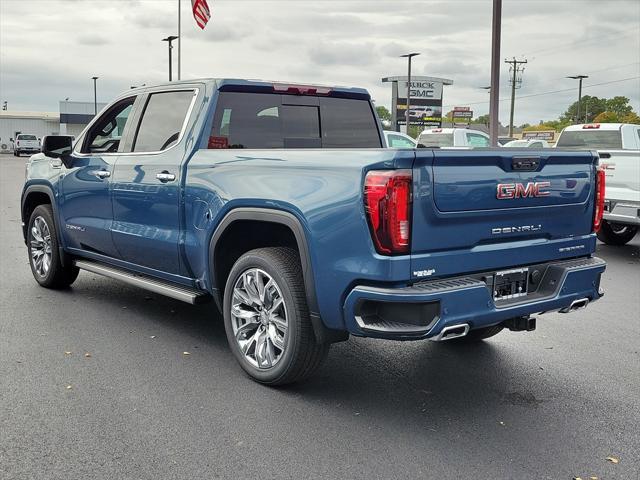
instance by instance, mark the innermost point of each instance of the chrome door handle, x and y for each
(102, 174)
(165, 177)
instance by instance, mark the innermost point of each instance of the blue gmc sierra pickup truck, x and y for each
(280, 204)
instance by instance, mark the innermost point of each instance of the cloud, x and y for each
(92, 39)
(331, 42)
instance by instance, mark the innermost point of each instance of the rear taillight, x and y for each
(599, 200)
(387, 201)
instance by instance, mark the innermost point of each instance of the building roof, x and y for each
(50, 116)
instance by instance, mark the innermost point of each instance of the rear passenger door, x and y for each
(146, 182)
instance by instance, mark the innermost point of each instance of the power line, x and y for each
(550, 92)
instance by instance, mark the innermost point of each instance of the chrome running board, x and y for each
(167, 289)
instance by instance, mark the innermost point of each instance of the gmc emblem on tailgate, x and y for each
(507, 191)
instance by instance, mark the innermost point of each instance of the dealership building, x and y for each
(70, 119)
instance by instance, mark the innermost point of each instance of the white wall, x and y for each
(34, 126)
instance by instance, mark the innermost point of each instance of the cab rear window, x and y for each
(591, 139)
(265, 120)
(436, 140)
(27, 137)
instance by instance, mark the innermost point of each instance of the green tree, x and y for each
(619, 105)
(607, 117)
(383, 113)
(484, 119)
(631, 117)
(590, 108)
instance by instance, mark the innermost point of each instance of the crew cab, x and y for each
(618, 146)
(280, 204)
(453, 137)
(25, 143)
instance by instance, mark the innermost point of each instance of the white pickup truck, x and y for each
(453, 137)
(26, 143)
(618, 145)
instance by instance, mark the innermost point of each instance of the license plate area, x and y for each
(509, 284)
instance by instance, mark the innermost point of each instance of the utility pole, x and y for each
(495, 72)
(95, 96)
(179, 42)
(579, 78)
(408, 56)
(170, 39)
(516, 82)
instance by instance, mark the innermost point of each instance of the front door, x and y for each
(146, 184)
(85, 198)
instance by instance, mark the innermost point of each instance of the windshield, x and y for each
(27, 137)
(596, 139)
(436, 139)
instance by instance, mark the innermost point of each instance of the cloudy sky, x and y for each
(50, 49)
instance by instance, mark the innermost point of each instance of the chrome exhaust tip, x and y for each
(576, 305)
(451, 332)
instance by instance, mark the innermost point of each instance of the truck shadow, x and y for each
(418, 384)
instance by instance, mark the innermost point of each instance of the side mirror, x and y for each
(11, 139)
(57, 146)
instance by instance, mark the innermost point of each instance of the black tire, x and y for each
(616, 234)
(16, 153)
(301, 355)
(478, 334)
(56, 275)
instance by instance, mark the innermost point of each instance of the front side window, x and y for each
(105, 135)
(476, 140)
(162, 121)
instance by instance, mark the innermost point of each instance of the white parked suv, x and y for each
(618, 145)
(453, 137)
(26, 143)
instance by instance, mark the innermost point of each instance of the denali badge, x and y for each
(522, 228)
(506, 191)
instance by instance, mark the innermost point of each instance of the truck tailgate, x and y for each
(492, 201)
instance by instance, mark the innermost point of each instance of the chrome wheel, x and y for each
(259, 318)
(40, 243)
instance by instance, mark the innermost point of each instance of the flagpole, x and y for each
(179, 40)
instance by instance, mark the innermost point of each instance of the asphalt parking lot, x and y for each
(96, 384)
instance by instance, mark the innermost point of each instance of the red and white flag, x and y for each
(201, 12)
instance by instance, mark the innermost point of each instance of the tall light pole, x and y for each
(170, 39)
(408, 56)
(579, 78)
(496, 25)
(95, 96)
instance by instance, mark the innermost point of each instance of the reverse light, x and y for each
(599, 200)
(387, 199)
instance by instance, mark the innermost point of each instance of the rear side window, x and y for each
(476, 140)
(436, 140)
(26, 137)
(263, 120)
(591, 138)
(162, 121)
(396, 141)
